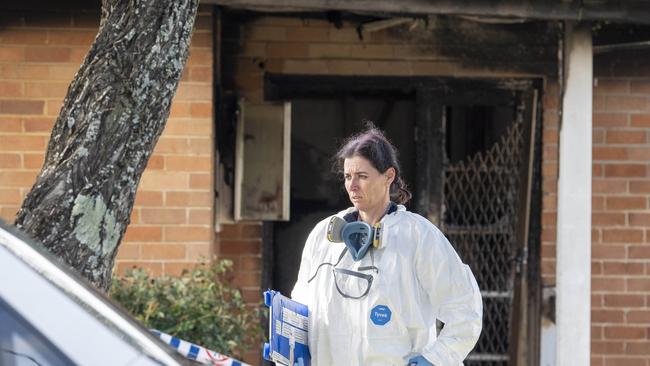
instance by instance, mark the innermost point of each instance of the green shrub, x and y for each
(196, 306)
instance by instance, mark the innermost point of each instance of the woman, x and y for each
(381, 308)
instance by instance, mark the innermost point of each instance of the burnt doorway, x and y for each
(482, 189)
(319, 125)
(477, 152)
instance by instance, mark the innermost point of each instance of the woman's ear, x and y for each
(390, 175)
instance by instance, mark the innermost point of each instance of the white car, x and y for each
(51, 317)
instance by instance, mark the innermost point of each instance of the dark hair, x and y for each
(372, 145)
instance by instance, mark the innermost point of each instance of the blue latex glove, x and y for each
(419, 361)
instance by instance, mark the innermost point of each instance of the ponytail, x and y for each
(399, 192)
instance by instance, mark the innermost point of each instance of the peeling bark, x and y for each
(115, 110)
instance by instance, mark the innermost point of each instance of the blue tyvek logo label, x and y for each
(380, 314)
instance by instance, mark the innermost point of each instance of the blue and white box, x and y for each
(288, 331)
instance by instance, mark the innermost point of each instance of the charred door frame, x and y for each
(431, 95)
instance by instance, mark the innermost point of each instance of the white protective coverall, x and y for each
(420, 278)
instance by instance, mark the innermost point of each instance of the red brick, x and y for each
(17, 179)
(192, 92)
(596, 268)
(201, 39)
(599, 348)
(22, 143)
(162, 251)
(549, 266)
(638, 252)
(47, 89)
(550, 169)
(618, 361)
(200, 73)
(626, 203)
(229, 247)
(640, 120)
(609, 186)
(230, 231)
(638, 316)
(156, 162)
(11, 89)
(162, 180)
(639, 219)
(136, 233)
(148, 198)
(598, 136)
(609, 153)
(200, 57)
(637, 284)
(622, 236)
(185, 199)
(128, 252)
(179, 109)
(38, 124)
(187, 233)
(624, 332)
(626, 137)
(33, 161)
(638, 348)
(596, 301)
(188, 163)
(640, 186)
(597, 170)
(638, 153)
(12, 54)
(625, 170)
(549, 202)
(10, 196)
(48, 54)
(200, 181)
(172, 145)
(607, 284)
(607, 219)
(163, 216)
(8, 213)
(200, 146)
(10, 161)
(201, 110)
(620, 103)
(251, 231)
(200, 217)
(189, 128)
(9, 106)
(623, 268)
(10, 124)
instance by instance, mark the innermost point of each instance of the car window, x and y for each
(22, 345)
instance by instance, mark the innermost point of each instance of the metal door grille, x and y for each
(480, 199)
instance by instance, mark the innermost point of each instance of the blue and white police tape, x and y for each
(196, 352)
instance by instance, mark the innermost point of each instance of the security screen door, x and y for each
(479, 176)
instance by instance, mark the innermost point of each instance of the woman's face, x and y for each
(367, 188)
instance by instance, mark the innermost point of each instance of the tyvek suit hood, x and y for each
(420, 278)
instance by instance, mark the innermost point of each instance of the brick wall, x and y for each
(172, 221)
(621, 211)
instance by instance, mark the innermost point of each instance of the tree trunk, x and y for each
(115, 110)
